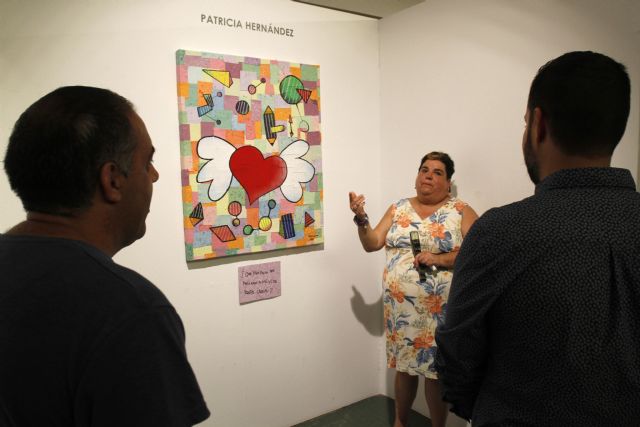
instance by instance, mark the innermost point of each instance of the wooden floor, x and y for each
(375, 411)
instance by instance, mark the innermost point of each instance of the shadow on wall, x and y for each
(370, 315)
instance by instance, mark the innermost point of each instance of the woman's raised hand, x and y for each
(356, 204)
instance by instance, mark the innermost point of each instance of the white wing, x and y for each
(218, 152)
(299, 170)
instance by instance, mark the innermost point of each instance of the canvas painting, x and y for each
(250, 147)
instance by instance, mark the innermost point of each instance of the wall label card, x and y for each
(250, 154)
(259, 281)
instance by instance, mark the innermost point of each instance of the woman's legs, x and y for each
(438, 409)
(406, 387)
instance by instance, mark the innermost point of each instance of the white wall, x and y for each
(270, 363)
(455, 77)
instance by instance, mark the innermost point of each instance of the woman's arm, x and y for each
(372, 239)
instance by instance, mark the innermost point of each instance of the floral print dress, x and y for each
(413, 309)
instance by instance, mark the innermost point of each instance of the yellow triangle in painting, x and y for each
(222, 76)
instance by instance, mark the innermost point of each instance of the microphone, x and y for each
(416, 249)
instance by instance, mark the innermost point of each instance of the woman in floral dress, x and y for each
(414, 307)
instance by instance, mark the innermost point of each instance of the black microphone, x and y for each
(416, 249)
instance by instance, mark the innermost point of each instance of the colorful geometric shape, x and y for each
(224, 233)
(196, 215)
(207, 107)
(289, 89)
(308, 219)
(222, 76)
(204, 110)
(265, 223)
(269, 123)
(305, 94)
(242, 107)
(286, 226)
(235, 208)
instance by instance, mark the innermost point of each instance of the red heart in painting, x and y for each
(256, 174)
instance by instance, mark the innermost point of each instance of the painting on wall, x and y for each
(250, 154)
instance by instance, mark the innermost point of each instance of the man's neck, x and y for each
(559, 160)
(71, 227)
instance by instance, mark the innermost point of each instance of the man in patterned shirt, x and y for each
(543, 323)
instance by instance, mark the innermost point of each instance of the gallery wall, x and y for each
(455, 77)
(277, 362)
(461, 72)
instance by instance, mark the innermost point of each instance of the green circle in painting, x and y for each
(289, 89)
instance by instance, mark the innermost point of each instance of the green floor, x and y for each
(375, 411)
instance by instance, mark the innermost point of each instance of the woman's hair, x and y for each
(442, 157)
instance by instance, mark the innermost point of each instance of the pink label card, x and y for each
(260, 281)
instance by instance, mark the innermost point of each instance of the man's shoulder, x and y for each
(125, 281)
(510, 213)
(78, 267)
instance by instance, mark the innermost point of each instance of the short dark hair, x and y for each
(440, 156)
(584, 97)
(60, 142)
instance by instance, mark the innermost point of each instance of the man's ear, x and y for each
(111, 182)
(538, 126)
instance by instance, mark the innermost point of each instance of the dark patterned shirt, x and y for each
(543, 320)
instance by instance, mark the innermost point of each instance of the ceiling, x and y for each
(626, 13)
(372, 8)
